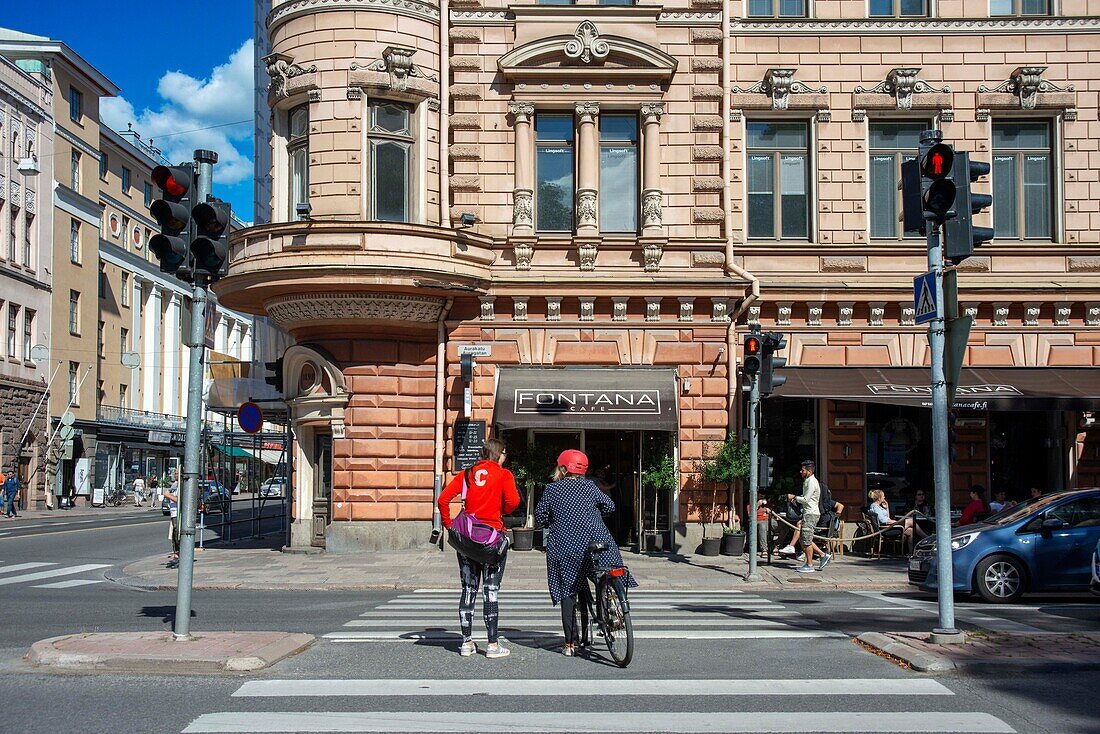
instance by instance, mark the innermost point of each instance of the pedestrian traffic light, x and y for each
(173, 213)
(275, 379)
(764, 471)
(753, 346)
(210, 247)
(960, 235)
(774, 341)
(935, 160)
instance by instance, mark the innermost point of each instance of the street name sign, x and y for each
(475, 350)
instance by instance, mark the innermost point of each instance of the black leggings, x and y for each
(568, 604)
(471, 573)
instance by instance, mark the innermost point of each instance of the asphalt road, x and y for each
(678, 684)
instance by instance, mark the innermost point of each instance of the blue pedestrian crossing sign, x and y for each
(924, 297)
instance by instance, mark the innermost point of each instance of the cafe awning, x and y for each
(611, 398)
(980, 388)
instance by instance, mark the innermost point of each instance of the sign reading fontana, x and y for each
(611, 402)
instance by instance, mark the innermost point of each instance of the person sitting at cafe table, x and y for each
(976, 509)
(880, 509)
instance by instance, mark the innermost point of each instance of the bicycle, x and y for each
(610, 609)
(116, 496)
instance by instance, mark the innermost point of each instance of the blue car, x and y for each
(1095, 586)
(1044, 544)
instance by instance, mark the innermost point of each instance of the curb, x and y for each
(919, 660)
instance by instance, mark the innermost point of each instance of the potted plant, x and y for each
(660, 475)
(532, 467)
(724, 465)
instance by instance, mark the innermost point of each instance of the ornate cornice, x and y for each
(397, 62)
(901, 84)
(944, 26)
(779, 85)
(586, 44)
(281, 69)
(503, 17)
(296, 310)
(24, 103)
(413, 8)
(1026, 83)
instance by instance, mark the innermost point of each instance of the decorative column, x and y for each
(588, 161)
(653, 240)
(137, 339)
(523, 194)
(150, 394)
(172, 361)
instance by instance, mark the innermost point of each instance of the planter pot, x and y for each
(733, 544)
(710, 546)
(523, 539)
(655, 542)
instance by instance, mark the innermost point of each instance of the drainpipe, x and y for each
(444, 111)
(440, 410)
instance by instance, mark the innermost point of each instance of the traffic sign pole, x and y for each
(754, 474)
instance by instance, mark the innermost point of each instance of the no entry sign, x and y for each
(250, 417)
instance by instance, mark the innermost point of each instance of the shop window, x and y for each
(1019, 7)
(298, 157)
(788, 434)
(554, 164)
(1022, 173)
(898, 453)
(390, 139)
(618, 173)
(891, 144)
(778, 180)
(898, 8)
(777, 8)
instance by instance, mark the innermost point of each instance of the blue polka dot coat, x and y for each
(571, 510)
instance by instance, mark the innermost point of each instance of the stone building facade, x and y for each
(599, 200)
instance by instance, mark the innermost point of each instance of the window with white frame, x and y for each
(1019, 7)
(125, 178)
(891, 144)
(390, 140)
(76, 104)
(1022, 173)
(74, 313)
(125, 232)
(122, 396)
(13, 233)
(74, 369)
(74, 171)
(148, 192)
(297, 150)
(778, 180)
(554, 171)
(74, 241)
(104, 163)
(777, 8)
(619, 172)
(123, 340)
(28, 333)
(28, 240)
(13, 328)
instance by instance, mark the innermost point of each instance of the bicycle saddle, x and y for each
(597, 547)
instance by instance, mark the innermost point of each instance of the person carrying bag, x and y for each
(477, 533)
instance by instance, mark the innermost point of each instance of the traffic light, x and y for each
(753, 347)
(937, 186)
(773, 342)
(764, 471)
(960, 235)
(210, 247)
(912, 210)
(275, 379)
(173, 213)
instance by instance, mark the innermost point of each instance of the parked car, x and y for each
(1095, 586)
(213, 497)
(274, 487)
(1043, 544)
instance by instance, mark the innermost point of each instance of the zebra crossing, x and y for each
(432, 615)
(914, 705)
(29, 573)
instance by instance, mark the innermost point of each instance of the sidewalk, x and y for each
(83, 512)
(252, 568)
(991, 652)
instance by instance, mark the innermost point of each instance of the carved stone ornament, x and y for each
(651, 208)
(1027, 83)
(588, 308)
(652, 111)
(3, 187)
(652, 308)
(296, 310)
(519, 308)
(844, 314)
(814, 314)
(971, 310)
(488, 307)
(586, 207)
(901, 84)
(754, 315)
(651, 256)
(523, 251)
(586, 252)
(908, 314)
(522, 111)
(1000, 314)
(779, 84)
(687, 308)
(1092, 314)
(397, 62)
(523, 209)
(553, 308)
(16, 194)
(30, 203)
(586, 44)
(877, 314)
(783, 314)
(859, 114)
(1062, 313)
(281, 68)
(1031, 314)
(618, 308)
(587, 111)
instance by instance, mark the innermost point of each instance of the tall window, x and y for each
(122, 396)
(74, 241)
(100, 393)
(102, 280)
(99, 334)
(13, 233)
(892, 143)
(104, 163)
(76, 104)
(1022, 191)
(554, 173)
(28, 241)
(898, 8)
(147, 189)
(778, 180)
(391, 144)
(125, 232)
(777, 8)
(618, 173)
(124, 294)
(13, 328)
(74, 368)
(74, 313)
(1019, 7)
(126, 180)
(298, 156)
(28, 333)
(74, 171)
(123, 340)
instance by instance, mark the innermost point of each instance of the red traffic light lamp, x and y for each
(936, 162)
(753, 348)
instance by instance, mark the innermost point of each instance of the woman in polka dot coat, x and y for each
(572, 509)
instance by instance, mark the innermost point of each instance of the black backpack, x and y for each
(825, 503)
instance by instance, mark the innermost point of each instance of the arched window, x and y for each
(297, 148)
(391, 143)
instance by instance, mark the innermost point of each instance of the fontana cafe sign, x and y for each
(607, 402)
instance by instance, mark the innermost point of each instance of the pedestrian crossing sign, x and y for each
(924, 297)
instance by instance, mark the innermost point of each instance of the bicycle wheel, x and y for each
(614, 618)
(580, 618)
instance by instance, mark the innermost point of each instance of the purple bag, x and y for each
(473, 538)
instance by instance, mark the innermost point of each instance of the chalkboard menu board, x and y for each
(469, 439)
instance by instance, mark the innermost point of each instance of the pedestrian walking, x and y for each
(139, 490)
(11, 495)
(810, 500)
(172, 495)
(572, 508)
(489, 493)
(154, 492)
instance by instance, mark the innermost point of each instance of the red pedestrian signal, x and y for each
(752, 354)
(936, 161)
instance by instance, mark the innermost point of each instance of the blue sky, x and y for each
(173, 80)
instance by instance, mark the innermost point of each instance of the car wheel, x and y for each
(1000, 579)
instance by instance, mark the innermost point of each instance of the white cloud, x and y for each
(191, 110)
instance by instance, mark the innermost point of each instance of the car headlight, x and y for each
(963, 540)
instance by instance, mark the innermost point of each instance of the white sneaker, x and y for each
(468, 648)
(496, 650)
(789, 550)
(805, 569)
(824, 561)
(800, 557)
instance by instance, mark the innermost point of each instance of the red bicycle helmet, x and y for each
(575, 462)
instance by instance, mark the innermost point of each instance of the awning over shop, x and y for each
(980, 388)
(233, 452)
(267, 456)
(610, 398)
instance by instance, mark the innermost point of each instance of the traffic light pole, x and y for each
(754, 474)
(188, 499)
(941, 461)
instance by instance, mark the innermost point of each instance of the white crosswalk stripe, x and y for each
(46, 574)
(740, 713)
(431, 615)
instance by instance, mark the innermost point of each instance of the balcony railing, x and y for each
(140, 418)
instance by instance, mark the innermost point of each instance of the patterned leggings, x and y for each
(471, 573)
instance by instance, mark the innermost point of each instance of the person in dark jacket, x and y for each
(572, 508)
